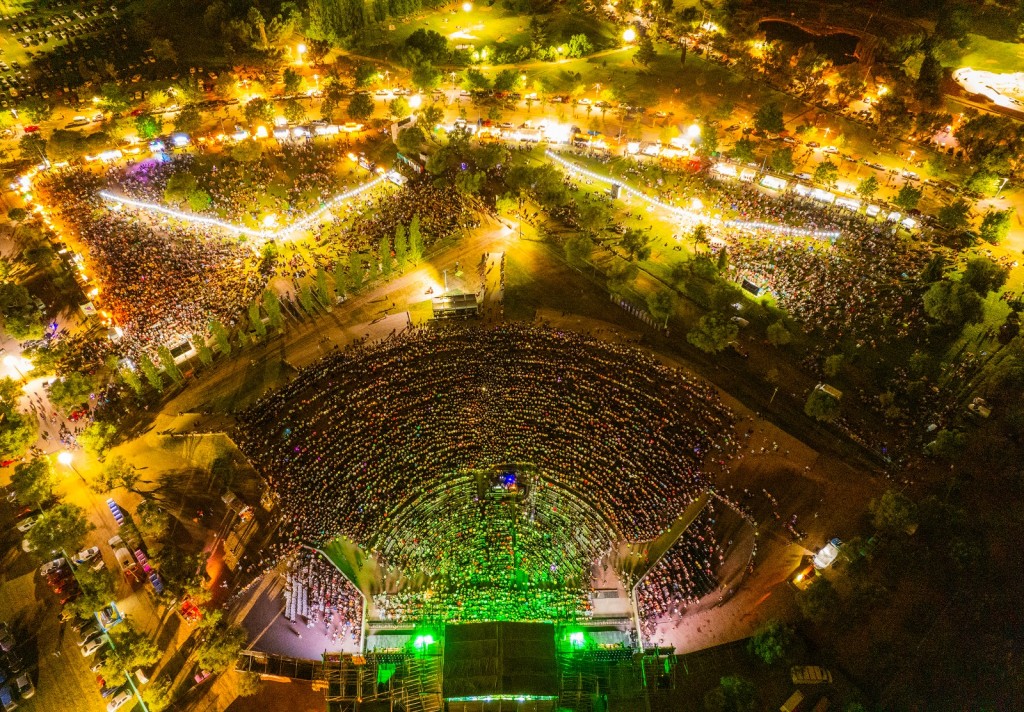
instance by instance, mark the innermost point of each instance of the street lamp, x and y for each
(415, 101)
(467, 7)
(316, 78)
(67, 460)
(629, 36)
(1000, 188)
(300, 50)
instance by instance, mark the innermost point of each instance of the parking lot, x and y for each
(62, 682)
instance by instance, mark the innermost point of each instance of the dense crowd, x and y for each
(355, 440)
(318, 595)
(683, 575)
(861, 287)
(159, 281)
(290, 182)
(515, 548)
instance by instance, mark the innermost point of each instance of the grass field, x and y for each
(989, 55)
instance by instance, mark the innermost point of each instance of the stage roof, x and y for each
(499, 659)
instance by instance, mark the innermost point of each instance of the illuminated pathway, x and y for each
(689, 215)
(282, 232)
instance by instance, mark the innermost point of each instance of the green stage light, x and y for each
(423, 641)
(576, 640)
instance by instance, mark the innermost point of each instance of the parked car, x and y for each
(87, 555)
(6, 639)
(88, 633)
(24, 686)
(92, 646)
(7, 698)
(120, 699)
(52, 567)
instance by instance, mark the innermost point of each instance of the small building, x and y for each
(452, 306)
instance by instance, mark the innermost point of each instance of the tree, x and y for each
(578, 250)
(954, 216)
(700, 237)
(417, 249)
(157, 695)
(954, 22)
(507, 80)
(713, 333)
(908, 197)
(219, 650)
(662, 304)
(71, 391)
(32, 147)
(833, 365)
(431, 46)
(98, 590)
(893, 512)
(258, 111)
(291, 80)
(17, 431)
(399, 107)
(179, 186)
(33, 481)
(118, 473)
(928, 87)
(152, 519)
(771, 642)
(645, 53)
(826, 172)
(63, 527)
(579, 46)
(188, 120)
(360, 107)
(769, 118)
(995, 226)
(163, 50)
(37, 110)
(247, 151)
(948, 445)
(220, 335)
(984, 275)
(426, 77)
(743, 150)
(867, 187)
(934, 269)
(821, 406)
(401, 246)
(293, 111)
(778, 334)
(199, 200)
(98, 437)
(249, 684)
(365, 74)
(147, 126)
(636, 244)
(733, 694)
(781, 160)
(113, 98)
(170, 367)
(953, 304)
(132, 650)
(819, 602)
(355, 270)
(384, 255)
(272, 305)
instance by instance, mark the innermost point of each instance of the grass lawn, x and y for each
(494, 26)
(989, 55)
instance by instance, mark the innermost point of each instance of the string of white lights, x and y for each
(300, 224)
(690, 214)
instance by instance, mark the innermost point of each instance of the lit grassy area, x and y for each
(493, 26)
(989, 55)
